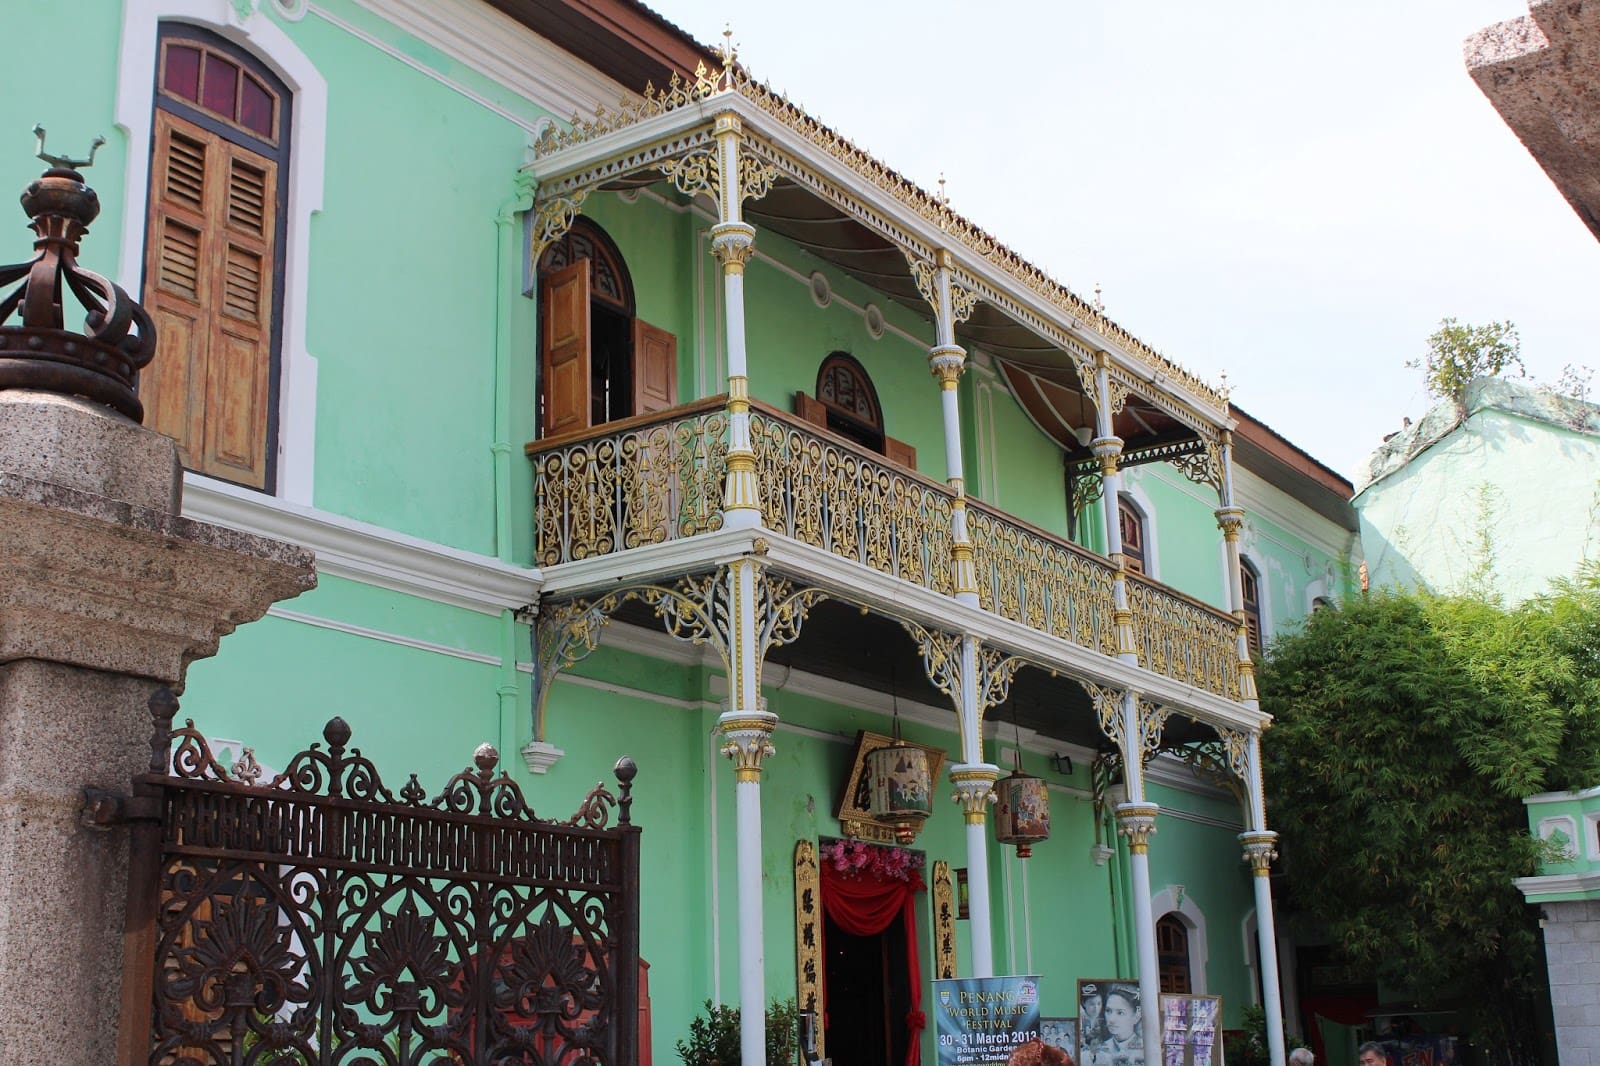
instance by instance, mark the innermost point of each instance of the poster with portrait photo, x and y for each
(1060, 1033)
(1110, 1023)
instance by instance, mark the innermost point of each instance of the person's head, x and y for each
(1301, 1056)
(1090, 1007)
(1371, 1054)
(1122, 1011)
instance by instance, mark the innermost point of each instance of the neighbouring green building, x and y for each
(617, 434)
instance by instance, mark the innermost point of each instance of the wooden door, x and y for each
(564, 362)
(655, 368)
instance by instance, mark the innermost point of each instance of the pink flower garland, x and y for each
(855, 858)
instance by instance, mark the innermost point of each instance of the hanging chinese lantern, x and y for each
(902, 788)
(1022, 805)
(1021, 811)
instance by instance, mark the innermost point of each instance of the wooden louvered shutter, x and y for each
(564, 296)
(209, 283)
(655, 368)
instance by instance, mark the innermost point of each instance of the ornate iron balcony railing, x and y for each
(660, 477)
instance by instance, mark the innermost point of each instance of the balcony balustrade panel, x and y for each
(660, 478)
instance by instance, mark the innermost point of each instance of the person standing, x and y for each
(1371, 1054)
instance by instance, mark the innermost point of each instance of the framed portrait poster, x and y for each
(1189, 1030)
(1110, 1023)
(1060, 1033)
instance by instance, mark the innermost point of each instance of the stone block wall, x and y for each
(1572, 948)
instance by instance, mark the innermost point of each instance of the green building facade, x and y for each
(763, 522)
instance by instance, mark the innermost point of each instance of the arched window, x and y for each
(1131, 522)
(214, 238)
(1172, 955)
(1250, 580)
(847, 403)
(598, 361)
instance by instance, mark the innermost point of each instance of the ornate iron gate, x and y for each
(320, 918)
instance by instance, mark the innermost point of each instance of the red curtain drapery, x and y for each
(864, 904)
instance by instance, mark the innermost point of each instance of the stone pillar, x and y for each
(1572, 954)
(974, 784)
(106, 595)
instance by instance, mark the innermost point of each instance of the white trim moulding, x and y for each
(367, 553)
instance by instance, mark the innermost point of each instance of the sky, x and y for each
(1293, 194)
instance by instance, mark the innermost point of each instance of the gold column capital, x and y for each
(747, 740)
(733, 243)
(727, 122)
(1137, 822)
(1107, 450)
(1260, 848)
(974, 792)
(945, 362)
(1231, 521)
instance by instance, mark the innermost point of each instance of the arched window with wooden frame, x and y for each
(1130, 520)
(599, 362)
(846, 402)
(1172, 956)
(1250, 582)
(214, 262)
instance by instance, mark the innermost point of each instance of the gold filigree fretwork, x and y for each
(923, 273)
(755, 177)
(944, 922)
(645, 485)
(851, 503)
(1203, 467)
(1048, 585)
(699, 609)
(1086, 490)
(566, 634)
(942, 659)
(696, 171)
(551, 220)
(1184, 639)
(1109, 709)
(963, 301)
(808, 933)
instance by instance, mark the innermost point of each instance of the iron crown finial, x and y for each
(65, 162)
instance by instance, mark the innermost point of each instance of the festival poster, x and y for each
(979, 1021)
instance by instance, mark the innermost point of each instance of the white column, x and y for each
(1260, 848)
(946, 359)
(974, 781)
(746, 727)
(1137, 821)
(1230, 519)
(974, 791)
(733, 242)
(1107, 447)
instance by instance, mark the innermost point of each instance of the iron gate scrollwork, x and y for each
(319, 918)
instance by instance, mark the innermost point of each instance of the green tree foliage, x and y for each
(1458, 353)
(1408, 729)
